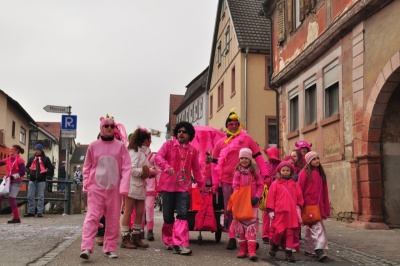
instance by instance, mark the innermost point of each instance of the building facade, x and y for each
(336, 65)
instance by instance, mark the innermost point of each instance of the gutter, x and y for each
(245, 87)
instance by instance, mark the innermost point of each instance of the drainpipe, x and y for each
(245, 88)
(271, 63)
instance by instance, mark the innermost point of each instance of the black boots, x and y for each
(231, 244)
(321, 256)
(14, 221)
(150, 235)
(273, 250)
(289, 256)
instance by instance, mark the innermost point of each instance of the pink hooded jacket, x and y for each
(227, 156)
(170, 156)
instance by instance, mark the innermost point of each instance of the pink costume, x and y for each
(183, 159)
(315, 191)
(106, 175)
(248, 229)
(283, 198)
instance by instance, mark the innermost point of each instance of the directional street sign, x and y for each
(57, 109)
(68, 122)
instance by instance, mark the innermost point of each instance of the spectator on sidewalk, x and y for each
(16, 171)
(106, 176)
(50, 175)
(37, 168)
(78, 175)
(62, 174)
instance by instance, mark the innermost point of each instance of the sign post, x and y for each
(68, 132)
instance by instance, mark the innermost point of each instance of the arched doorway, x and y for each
(390, 160)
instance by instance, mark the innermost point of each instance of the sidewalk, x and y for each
(55, 240)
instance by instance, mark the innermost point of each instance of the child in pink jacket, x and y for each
(244, 175)
(283, 206)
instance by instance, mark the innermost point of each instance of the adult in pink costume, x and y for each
(313, 184)
(106, 175)
(178, 160)
(283, 206)
(226, 158)
(15, 171)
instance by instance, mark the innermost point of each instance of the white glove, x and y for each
(271, 215)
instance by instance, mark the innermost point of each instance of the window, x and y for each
(233, 81)
(331, 86)
(219, 54)
(227, 40)
(223, 7)
(310, 106)
(201, 107)
(211, 105)
(191, 113)
(221, 95)
(294, 111)
(271, 132)
(187, 115)
(196, 110)
(22, 135)
(13, 130)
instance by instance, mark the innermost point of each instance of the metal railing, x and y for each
(67, 193)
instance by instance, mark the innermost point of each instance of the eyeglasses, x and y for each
(233, 124)
(182, 131)
(107, 126)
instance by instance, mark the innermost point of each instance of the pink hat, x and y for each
(303, 144)
(272, 153)
(310, 156)
(246, 153)
(285, 163)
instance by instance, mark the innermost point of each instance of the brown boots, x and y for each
(126, 242)
(135, 240)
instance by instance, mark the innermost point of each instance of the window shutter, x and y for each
(307, 6)
(290, 16)
(281, 21)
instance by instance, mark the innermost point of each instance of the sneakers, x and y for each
(85, 254)
(111, 254)
(231, 244)
(169, 247)
(14, 221)
(182, 250)
(39, 215)
(150, 235)
(29, 215)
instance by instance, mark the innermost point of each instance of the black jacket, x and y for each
(35, 175)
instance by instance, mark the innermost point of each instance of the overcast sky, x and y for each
(123, 58)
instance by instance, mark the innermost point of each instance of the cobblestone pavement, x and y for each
(55, 240)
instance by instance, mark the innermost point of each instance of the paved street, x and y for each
(55, 240)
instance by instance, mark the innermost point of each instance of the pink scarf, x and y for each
(33, 165)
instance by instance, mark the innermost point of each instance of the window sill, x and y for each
(233, 94)
(330, 120)
(310, 127)
(220, 107)
(292, 134)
